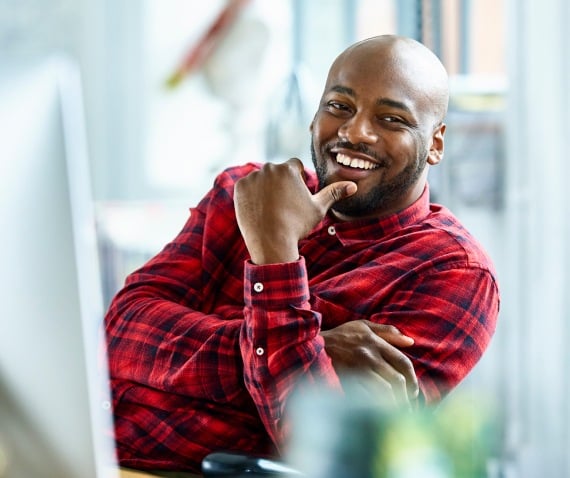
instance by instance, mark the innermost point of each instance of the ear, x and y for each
(311, 126)
(435, 154)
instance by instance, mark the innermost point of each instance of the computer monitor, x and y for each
(55, 417)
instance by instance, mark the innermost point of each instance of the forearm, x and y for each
(168, 321)
(280, 341)
(165, 345)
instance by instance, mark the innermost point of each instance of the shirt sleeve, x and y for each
(451, 313)
(163, 331)
(280, 343)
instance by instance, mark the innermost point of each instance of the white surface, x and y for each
(49, 281)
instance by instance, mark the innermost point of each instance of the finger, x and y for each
(298, 165)
(386, 362)
(391, 334)
(396, 381)
(404, 368)
(370, 387)
(333, 193)
(388, 338)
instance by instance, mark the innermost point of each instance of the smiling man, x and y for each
(379, 123)
(282, 276)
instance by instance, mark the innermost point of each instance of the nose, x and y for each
(358, 129)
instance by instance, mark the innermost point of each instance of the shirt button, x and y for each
(258, 287)
(106, 405)
(332, 230)
(259, 351)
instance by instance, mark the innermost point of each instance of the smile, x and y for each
(357, 163)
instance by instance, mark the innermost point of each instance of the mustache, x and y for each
(358, 148)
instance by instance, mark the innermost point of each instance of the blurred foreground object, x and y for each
(55, 409)
(354, 437)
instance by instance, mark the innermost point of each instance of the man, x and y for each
(281, 276)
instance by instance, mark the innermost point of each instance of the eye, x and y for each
(393, 122)
(338, 106)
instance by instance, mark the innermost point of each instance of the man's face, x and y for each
(372, 127)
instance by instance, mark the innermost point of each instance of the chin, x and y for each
(359, 207)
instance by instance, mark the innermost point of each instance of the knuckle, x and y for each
(385, 329)
(295, 162)
(291, 165)
(399, 380)
(405, 363)
(391, 329)
(267, 168)
(335, 194)
(363, 352)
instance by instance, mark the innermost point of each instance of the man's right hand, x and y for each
(275, 209)
(364, 349)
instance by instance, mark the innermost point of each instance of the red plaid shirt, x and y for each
(204, 347)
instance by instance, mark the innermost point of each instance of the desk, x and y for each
(134, 474)
(123, 473)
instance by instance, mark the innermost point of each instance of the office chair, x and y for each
(241, 465)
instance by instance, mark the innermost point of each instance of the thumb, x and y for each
(391, 334)
(333, 193)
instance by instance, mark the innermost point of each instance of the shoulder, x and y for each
(454, 241)
(229, 176)
(223, 187)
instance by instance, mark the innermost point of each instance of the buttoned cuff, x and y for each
(273, 286)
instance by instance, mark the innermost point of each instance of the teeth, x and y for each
(354, 162)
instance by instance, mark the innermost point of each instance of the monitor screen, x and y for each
(55, 419)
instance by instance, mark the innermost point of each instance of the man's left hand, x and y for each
(364, 349)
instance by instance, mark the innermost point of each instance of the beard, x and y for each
(381, 196)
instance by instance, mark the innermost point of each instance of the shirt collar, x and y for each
(364, 229)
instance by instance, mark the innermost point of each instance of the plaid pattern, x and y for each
(204, 346)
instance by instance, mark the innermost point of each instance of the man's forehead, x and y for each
(392, 67)
(371, 79)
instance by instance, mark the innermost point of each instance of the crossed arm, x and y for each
(166, 334)
(272, 228)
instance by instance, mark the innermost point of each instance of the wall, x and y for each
(536, 301)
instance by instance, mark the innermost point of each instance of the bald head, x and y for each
(404, 61)
(380, 124)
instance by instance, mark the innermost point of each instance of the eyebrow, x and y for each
(393, 104)
(343, 90)
(379, 102)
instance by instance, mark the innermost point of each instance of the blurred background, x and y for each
(176, 90)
